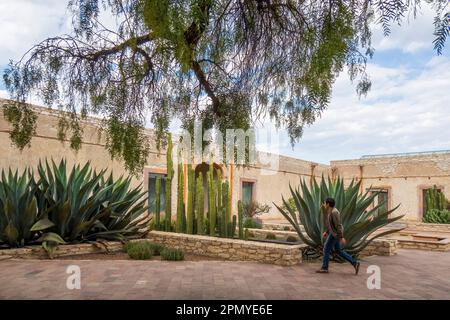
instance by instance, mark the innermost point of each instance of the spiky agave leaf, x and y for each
(18, 209)
(360, 223)
(84, 204)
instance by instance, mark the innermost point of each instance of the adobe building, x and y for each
(402, 178)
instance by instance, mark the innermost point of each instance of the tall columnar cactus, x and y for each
(180, 202)
(190, 201)
(219, 189)
(435, 199)
(157, 203)
(199, 205)
(211, 201)
(225, 209)
(168, 214)
(241, 219)
(232, 230)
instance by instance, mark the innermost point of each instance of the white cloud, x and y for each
(4, 94)
(400, 114)
(406, 110)
(411, 36)
(25, 23)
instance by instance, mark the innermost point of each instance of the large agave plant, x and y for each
(129, 216)
(361, 223)
(84, 205)
(20, 220)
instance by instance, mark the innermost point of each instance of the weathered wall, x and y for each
(273, 184)
(403, 177)
(45, 144)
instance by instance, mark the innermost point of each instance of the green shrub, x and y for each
(291, 239)
(172, 254)
(140, 250)
(437, 216)
(271, 236)
(253, 209)
(252, 224)
(286, 228)
(156, 248)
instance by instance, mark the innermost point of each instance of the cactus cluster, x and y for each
(168, 215)
(180, 197)
(158, 204)
(190, 216)
(434, 199)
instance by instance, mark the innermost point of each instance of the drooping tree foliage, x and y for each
(224, 62)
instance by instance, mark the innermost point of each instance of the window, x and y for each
(381, 199)
(152, 192)
(247, 192)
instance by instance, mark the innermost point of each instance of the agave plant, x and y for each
(21, 222)
(360, 222)
(84, 205)
(129, 216)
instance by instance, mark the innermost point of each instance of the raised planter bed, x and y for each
(422, 226)
(277, 226)
(33, 252)
(416, 240)
(231, 249)
(379, 247)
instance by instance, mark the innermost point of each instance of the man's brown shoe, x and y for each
(357, 268)
(322, 271)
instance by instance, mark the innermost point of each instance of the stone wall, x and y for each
(230, 249)
(33, 252)
(379, 247)
(404, 177)
(443, 245)
(422, 226)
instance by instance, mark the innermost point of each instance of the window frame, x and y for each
(148, 173)
(384, 189)
(247, 180)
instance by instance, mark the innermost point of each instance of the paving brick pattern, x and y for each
(411, 274)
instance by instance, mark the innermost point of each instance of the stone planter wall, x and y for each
(277, 226)
(379, 247)
(231, 249)
(280, 234)
(422, 226)
(443, 245)
(33, 252)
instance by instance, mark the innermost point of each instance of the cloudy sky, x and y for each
(407, 109)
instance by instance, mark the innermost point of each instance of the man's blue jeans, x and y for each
(330, 244)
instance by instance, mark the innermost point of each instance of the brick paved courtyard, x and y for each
(409, 275)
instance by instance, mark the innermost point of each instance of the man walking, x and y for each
(335, 236)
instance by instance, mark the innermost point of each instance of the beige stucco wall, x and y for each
(404, 177)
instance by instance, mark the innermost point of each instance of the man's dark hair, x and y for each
(330, 201)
